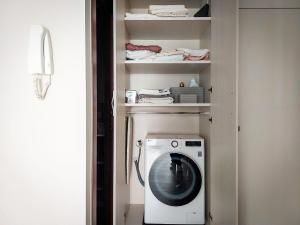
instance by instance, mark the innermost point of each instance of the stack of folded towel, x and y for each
(139, 55)
(173, 55)
(168, 10)
(156, 11)
(140, 16)
(138, 52)
(195, 54)
(158, 96)
(154, 53)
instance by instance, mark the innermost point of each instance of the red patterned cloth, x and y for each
(152, 48)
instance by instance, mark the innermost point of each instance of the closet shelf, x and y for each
(166, 28)
(169, 105)
(164, 67)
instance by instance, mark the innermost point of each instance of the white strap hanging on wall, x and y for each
(40, 59)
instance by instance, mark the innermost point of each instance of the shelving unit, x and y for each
(166, 67)
(169, 33)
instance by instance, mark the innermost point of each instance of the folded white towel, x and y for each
(172, 14)
(172, 52)
(172, 7)
(158, 92)
(139, 55)
(168, 10)
(166, 100)
(140, 15)
(170, 58)
(194, 52)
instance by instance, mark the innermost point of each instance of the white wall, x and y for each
(89, 113)
(43, 143)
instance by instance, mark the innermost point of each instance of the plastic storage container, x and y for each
(187, 94)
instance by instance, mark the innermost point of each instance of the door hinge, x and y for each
(113, 104)
(210, 89)
(125, 217)
(210, 216)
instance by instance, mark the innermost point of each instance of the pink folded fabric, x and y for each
(152, 48)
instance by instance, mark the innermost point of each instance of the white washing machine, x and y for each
(174, 179)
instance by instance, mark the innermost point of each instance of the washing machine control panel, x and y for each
(193, 143)
(190, 144)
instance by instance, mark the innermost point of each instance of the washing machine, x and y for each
(174, 179)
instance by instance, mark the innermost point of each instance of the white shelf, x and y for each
(169, 19)
(163, 67)
(169, 105)
(167, 28)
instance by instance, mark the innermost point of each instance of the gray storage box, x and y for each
(185, 94)
(188, 98)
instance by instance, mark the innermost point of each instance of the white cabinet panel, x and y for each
(224, 111)
(269, 107)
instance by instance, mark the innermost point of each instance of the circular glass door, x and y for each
(175, 179)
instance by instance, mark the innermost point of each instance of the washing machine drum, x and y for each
(175, 179)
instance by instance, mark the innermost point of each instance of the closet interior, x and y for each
(213, 118)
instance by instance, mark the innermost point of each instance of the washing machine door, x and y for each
(175, 179)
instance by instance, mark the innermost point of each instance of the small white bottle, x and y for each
(193, 83)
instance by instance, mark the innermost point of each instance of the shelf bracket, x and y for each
(210, 216)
